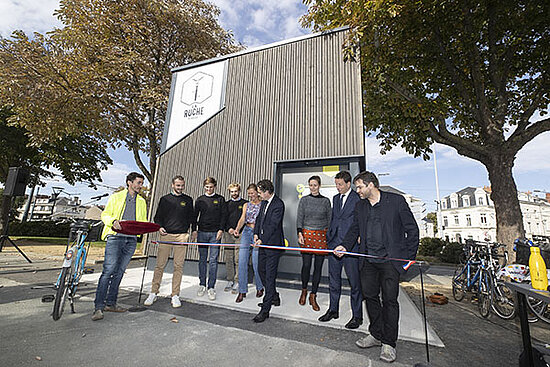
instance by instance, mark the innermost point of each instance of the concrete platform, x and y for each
(411, 327)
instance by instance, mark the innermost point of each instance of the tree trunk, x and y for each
(505, 197)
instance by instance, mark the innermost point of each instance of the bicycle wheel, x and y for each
(459, 284)
(484, 296)
(62, 293)
(503, 301)
(540, 308)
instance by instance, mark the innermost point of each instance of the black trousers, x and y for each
(351, 264)
(382, 278)
(268, 264)
(306, 270)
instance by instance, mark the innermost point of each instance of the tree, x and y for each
(107, 71)
(472, 75)
(77, 158)
(432, 216)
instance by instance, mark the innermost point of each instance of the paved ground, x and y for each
(212, 336)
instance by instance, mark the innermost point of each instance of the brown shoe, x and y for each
(260, 293)
(303, 296)
(240, 297)
(115, 308)
(313, 302)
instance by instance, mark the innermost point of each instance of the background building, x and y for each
(418, 208)
(46, 207)
(470, 214)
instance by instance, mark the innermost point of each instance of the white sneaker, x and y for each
(368, 341)
(235, 288)
(228, 286)
(150, 300)
(201, 291)
(176, 301)
(388, 354)
(211, 294)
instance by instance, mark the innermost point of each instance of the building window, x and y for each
(445, 222)
(468, 220)
(444, 204)
(456, 220)
(454, 203)
(483, 219)
(480, 201)
(466, 201)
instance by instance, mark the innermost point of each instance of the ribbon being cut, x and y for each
(406, 266)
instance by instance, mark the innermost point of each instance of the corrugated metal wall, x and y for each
(298, 100)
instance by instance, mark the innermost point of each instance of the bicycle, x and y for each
(539, 310)
(74, 262)
(464, 281)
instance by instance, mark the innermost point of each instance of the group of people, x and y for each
(375, 224)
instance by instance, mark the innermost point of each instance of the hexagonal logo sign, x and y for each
(197, 88)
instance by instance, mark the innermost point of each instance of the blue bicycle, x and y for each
(73, 267)
(474, 276)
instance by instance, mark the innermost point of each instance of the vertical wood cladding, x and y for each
(298, 100)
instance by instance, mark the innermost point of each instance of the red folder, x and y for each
(134, 227)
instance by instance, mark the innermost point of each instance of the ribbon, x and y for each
(406, 266)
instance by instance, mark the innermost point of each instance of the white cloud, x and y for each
(27, 15)
(261, 22)
(534, 157)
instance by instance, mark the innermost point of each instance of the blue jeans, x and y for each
(118, 253)
(208, 237)
(247, 237)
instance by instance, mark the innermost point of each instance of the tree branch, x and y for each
(139, 162)
(516, 142)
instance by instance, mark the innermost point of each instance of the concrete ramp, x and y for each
(411, 326)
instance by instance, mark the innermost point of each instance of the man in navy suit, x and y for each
(343, 205)
(269, 231)
(386, 227)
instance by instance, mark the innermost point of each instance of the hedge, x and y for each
(447, 252)
(39, 229)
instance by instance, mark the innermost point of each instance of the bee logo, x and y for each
(183, 203)
(216, 202)
(300, 188)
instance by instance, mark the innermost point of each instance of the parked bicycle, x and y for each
(478, 275)
(539, 310)
(74, 263)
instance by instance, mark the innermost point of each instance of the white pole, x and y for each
(439, 223)
(366, 151)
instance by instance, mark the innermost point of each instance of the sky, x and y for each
(259, 22)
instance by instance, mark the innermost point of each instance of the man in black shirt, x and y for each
(234, 207)
(386, 227)
(175, 215)
(210, 214)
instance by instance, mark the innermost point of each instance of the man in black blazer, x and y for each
(386, 227)
(343, 205)
(269, 231)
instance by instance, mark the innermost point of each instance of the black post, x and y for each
(424, 313)
(4, 237)
(139, 307)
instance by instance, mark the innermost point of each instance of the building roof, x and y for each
(256, 49)
(391, 189)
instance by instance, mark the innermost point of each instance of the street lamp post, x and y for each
(439, 224)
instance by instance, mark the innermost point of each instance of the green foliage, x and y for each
(433, 217)
(450, 253)
(39, 228)
(473, 75)
(104, 77)
(430, 246)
